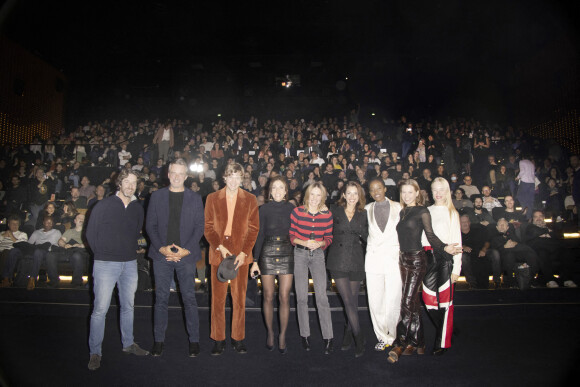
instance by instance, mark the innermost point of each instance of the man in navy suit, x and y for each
(175, 224)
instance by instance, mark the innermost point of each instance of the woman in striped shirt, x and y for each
(311, 234)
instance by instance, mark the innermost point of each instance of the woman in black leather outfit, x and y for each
(414, 219)
(346, 257)
(275, 257)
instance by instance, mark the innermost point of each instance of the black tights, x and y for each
(349, 293)
(284, 286)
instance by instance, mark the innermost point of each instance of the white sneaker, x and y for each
(570, 284)
(552, 284)
(381, 346)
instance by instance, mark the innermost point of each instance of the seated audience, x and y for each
(460, 201)
(512, 251)
(478, 259)
(509, 212)
(7, 240)
(468, 188)
(72, 250)
(550, 250)
(489, 202)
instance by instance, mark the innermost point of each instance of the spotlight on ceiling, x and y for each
(288, 80)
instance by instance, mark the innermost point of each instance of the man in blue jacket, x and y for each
(175, 224)
(113, 230)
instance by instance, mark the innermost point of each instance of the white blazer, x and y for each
(382, 247)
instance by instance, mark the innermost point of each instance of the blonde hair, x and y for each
(448, 201)
(321, 187)
(419, 201)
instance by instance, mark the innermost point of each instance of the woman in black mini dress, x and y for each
(346, 258)
(275, 257)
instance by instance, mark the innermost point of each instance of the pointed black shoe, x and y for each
(306, 343)
(269, 347)
(239, 346)
(194, 349)
(218, 348)
(157, 348)
(328, 346)
(360, 342)
(347, 339)
(439, 351)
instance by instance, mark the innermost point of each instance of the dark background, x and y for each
(513, 62)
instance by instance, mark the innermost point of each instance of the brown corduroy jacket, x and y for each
(245, 227)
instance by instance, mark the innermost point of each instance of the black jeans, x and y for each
(476, 268)
(519, 254)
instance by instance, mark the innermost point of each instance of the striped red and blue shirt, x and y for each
(303, 223)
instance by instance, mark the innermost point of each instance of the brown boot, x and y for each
(31, 285)
(394, 354)
(6, 283)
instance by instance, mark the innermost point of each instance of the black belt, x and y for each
(277, 238)
(303, 248)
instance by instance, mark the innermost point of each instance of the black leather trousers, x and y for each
(410, 328)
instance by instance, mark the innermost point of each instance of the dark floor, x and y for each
(506, 337)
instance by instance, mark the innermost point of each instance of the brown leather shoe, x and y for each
(31, 285)
(6, 283)
(394, 354)
(421, 350)
(409, 350)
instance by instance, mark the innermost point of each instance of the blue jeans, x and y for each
(37, 258)
(105, 275)
(163, 272)
(526, 193)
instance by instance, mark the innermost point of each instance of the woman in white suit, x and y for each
(382, 264)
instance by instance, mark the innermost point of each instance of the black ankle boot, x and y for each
(359, 341)
(347, 339)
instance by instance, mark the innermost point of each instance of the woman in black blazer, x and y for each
(346, 257)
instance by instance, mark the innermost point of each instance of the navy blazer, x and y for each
(191, 223)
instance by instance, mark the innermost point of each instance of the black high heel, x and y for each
(269, 347)
(282, 350)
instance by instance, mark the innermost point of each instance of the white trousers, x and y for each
(384, 294)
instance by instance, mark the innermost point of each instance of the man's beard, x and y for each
(478, 208)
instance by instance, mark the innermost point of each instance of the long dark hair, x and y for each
(271, 183)
(361, 195)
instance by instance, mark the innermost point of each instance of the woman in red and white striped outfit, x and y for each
(311, 233)
(442, 274)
